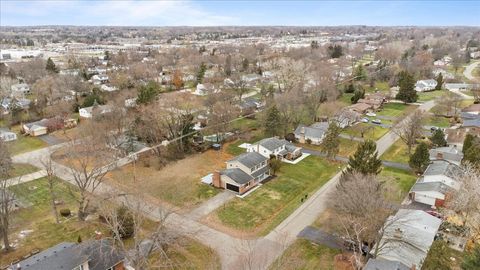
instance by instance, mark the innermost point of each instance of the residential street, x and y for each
(234, 253)
(469, 69)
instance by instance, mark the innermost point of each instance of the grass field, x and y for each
(178, 183)
(437, 121)
(379, 86)
(20, 169)
(397, 153)
(402, 178)
(266, 207)
(374, 133)
(302, 254)
(25, 144)
(347, 147)
(427, 96)
(397, 110)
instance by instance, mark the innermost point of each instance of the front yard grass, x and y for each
(396, 110)
(302, 254)
(403, 179)
(430, 95)
(437, 121)
(397, 153)
(178, 183)
(268, 206)
(375, 132)
(25, 144)
(20, 169)
(347, 147)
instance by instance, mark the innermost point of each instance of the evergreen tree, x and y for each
(359, 94)
(438, 138)
(51, 66)
(331, 143)
(360, 73)
(126, 223)
(468, 142)
(473, 155)
(439, 81)
(472, 259)
(201, 73)
(228, 65)
(365, 160)
(273, 122)
(245, 64)
(350, 88)
(148, 92)
(420, 158)
(335, 51)
(407, 91)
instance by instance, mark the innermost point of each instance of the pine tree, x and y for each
(273, 122)
(331, 143)
(407, 91)
(201, 73)
(51, 66)
(228, 65)
(245, 64)
(439, 81)
(359, 94)
(148, 92)
(468, 142)
(360, 73)
(420, 158)
(472, 155)
(365, 160)
(438, 138)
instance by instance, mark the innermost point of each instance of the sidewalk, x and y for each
(26, 178)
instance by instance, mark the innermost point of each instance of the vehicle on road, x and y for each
(377, 121)
(365, 120)
(371, 114)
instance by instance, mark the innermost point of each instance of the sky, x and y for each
(215, 13)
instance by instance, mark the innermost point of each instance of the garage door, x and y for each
(233, 188)
(424, 199)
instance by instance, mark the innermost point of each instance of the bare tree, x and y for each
(51, 181)
(467, 199)
(410, 128)
(7, 198)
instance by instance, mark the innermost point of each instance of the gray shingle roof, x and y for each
(314, 131)
(471, 123)
(261, 171)
(272, 143)
(447, 153)
(442, 167)
(379, 264)
(250, 159)
(240, 177)
(430, 186)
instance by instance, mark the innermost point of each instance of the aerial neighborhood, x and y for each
(238, 147)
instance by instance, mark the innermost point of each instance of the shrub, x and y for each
(308, 141)
(126, 226)
(65, 212)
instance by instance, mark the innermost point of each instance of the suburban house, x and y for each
(274, 147)
(360, 108)
(472, 109)
(380, 264)
(408, 237)
(242, 173)
(460, 86)
(7, 135)
(204, 89)
(375, 100)
(313, 134)
(95, 110)
(99, 79)
(429, 193)
(345, 118)
(20, 89)
(108, 88)
(451, 154)
(9, 103)
(425, 85)
(446, 75)
(444, 172)
(37, 128)
(91, 255)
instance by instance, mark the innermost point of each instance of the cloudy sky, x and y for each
(208, 13)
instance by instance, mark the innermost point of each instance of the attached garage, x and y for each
(429, 193)
(233, 188)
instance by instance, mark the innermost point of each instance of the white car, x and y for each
(371, 114)
(365, 120)
(377, 121)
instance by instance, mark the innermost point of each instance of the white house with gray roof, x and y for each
(425, 85)
(275, 147)
(444, 172)
(449, 153)
(242, 173)
(429, 193)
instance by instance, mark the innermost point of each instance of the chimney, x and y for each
(439, 155)
(216, 182)
(398, 233)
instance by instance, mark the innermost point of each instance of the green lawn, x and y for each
(245, 124)
(20, 169)
(379, 86)
(347, 147)
(375, 132)
(427, 96)
(397, 153)
(25, 144)
(437, 121)
(346, 98)
(302, 254)
(275, 200)
(397, 110)
(402, 178)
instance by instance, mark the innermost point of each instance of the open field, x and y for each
(347, 147)
(397, 153)
(437, 121)
(427, 96)
(397, 110)
(302, 254)
(178, 183)
(266, 207)
(25, 144)
(379, 86)
(402, 178)
(374, 133)
(20, 169)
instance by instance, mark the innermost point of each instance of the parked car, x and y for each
(365, 120)
(435, 214)
(433, 129)
(377, 121)
(371, 114)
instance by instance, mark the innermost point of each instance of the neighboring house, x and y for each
(99, 79)
(409, 237)
(108, 88)
(375, 100)
(446, 75)
(460, 86)
(20, 89)
(360, 108)
(204, 89)
(243, 173)
(37, 128)
(313, 134)
(7, 135)
(473, 109)
(450, 153)
(345, 118)
(274, 147)
(92, 111)
(379, 264)
(429, 193)
(472, 123)
(425, 85)
(9, 103)
(91, 255)
(444, 172)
